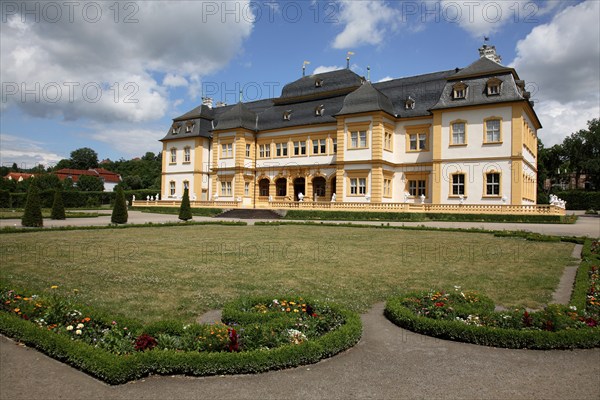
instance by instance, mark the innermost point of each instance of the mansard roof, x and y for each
(343, 92)
(366, 99)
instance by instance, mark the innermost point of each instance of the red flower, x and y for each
(233, 340)
(439, 304)
(591, 322)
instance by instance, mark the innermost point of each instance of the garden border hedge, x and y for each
(115, 369)
(501, 337)
(422, 217)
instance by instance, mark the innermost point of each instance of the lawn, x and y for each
(181, 272)
(46, 212)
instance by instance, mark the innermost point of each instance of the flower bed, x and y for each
(258, 334)
(470, 317)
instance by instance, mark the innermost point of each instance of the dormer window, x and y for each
(409, 104)
(318, 82)
(175, 129)
(188, 127)
(493, 86)
(287, 115)
(459, 91)
(320, 110)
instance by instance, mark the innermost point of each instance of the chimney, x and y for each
(207, 101)
(221, 104)
(489, 52)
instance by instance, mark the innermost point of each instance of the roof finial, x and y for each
(350, 53)
(241, 95)
(369, 73)
(304, 64)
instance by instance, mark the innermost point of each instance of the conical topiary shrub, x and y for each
(185, 210)
(58, 208)
(119, 213)
(33, 209)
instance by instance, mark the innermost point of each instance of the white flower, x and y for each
(79, 326)
(78, 332)
(573, 308)
(70, 327)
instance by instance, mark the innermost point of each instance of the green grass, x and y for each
(181, 272)
(18, 213)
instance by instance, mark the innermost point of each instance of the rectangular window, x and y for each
(358, 139)
(300, 148)
(492, 186)
(172, 188)
(186, 185)
(417, 142)
(247, 189)
(281, 149)
(387, 187)
(387, 141)
(226, 188)
(358, 186)
(458, 133)
(417, 187)
(492, 130)
(227, 150)
(334, 141)
(319, 146)
(186, 154)
(458, 184)
(248, 151)
(264, 151)
(173, 156)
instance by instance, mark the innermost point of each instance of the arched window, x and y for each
(281, 187)
(263, 187)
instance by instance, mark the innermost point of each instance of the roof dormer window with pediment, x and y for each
(175, 129)
(459, 91)
(409, 104)
(493, 86)
(189, 127)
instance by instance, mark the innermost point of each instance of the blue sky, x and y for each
(112, 78)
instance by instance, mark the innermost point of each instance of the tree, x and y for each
(58, 207)
(32, 216)
(88, 183)
(67, 184)
(185, 210)
(47, 181)
(62, 164)
(119, 213)
(84, 158)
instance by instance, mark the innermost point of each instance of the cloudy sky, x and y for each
(111, 76)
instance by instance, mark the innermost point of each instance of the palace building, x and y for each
(457, 137)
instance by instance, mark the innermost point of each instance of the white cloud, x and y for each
(132, 141)
(326, 68)
(174, 80)
(111, 55)
(25, 152)
(485, 17)
(365, 22)
(560, 61)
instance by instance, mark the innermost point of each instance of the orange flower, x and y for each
(287, 309)
(17, 309)
(86, 319)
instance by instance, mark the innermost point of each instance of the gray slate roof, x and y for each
(237, 116)
(343, 92)
(366, 99)
(483, 66)
(477, 93)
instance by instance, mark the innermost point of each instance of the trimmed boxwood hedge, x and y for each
(115, 369)
(417, 217)
(580, 199)
(501, 337)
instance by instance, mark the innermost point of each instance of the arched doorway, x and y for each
(319, 184)
(263, 187)
(333, 185)
(299, 187)
(281, 187)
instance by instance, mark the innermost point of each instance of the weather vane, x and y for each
(304, 64)
(350, 53)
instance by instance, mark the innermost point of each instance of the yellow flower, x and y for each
(295, 310)
(53, 287)
(17, 309)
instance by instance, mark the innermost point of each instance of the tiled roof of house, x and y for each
(366, 99)
(74, 174)
(16, 176)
